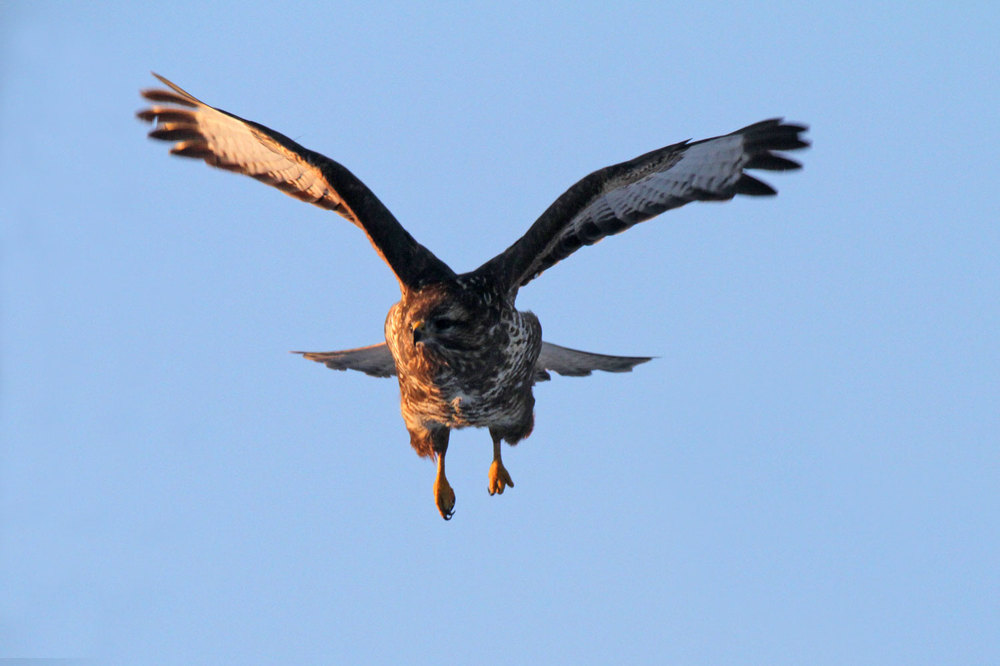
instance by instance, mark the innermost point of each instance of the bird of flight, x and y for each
(463, 354)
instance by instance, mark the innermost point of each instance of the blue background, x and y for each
(808, 473)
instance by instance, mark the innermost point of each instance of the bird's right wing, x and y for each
(229, 142)
(375, 360)
(575, 363)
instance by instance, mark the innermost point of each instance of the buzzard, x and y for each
(463, 354)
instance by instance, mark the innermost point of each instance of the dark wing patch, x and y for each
(575, 363)
(617, 197)
(229, 142)
(375, 360)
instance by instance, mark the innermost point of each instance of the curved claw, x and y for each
(499, 478)
(444, 497)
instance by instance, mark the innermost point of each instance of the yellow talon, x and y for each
(499, 478)
(444, 497)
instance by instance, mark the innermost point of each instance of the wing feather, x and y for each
(611, 200)
(575, 363)
(375, 360)
(229, 142)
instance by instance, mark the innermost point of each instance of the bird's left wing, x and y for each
(375, 360)
(229, 142)
(576, 363)
(617, 197)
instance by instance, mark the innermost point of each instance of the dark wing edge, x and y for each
(575, 363)
(229, 142)
(615, 198)
(375, 360)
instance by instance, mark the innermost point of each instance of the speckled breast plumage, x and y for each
(487, 384)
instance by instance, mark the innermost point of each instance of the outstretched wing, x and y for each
(617, 197)
(230, 142)
(575, 363)
(375, 360)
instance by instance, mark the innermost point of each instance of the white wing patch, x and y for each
(707, 170)
(710, 167)
(230, 142)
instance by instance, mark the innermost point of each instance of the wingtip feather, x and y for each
(167, 96)
(164, 114)
(770, 162)
(750, 186)
(169, 132)
(194, 148)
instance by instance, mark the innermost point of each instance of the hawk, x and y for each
(463, 354)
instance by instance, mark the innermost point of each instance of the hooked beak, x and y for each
(418, 332)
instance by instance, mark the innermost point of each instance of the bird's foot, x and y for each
(499, 478)
(444, 497)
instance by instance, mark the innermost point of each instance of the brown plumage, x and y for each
(463, 354)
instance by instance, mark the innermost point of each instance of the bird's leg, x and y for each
(499, 478)
(444, 496)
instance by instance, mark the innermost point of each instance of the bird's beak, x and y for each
(418, 332)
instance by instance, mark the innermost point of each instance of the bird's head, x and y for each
(448, 318)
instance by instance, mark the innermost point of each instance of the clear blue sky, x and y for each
(808, 474)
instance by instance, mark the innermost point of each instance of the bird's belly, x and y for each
(460, 407)
(464, 409)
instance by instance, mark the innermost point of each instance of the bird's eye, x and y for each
(444, 323)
